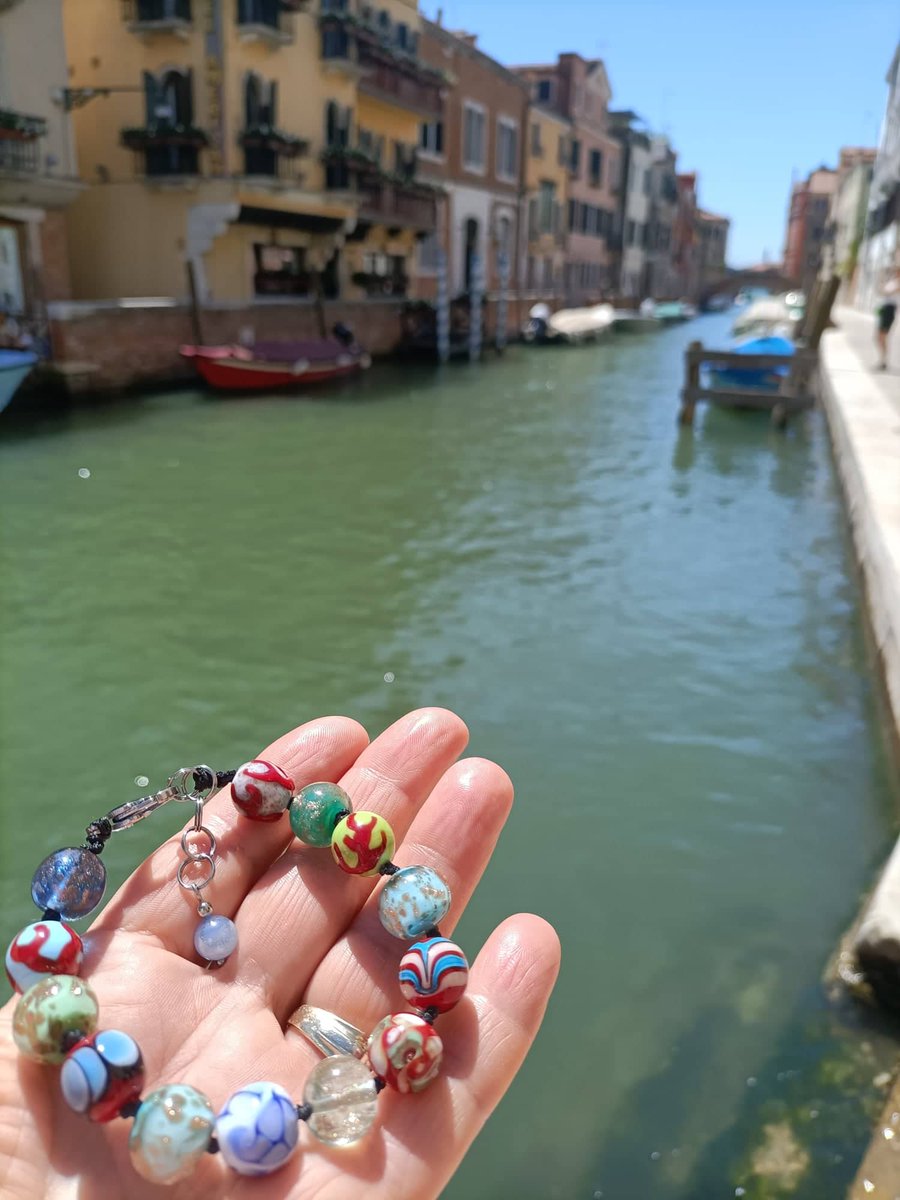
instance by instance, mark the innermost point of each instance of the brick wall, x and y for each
(108, 347)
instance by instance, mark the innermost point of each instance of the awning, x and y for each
(279, 219)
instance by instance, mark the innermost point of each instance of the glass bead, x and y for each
(52, 1015)
(257, 1130)
(102, 1074)
(433, 974)
(69, 881)
(171, 1133)
(405, 1051)
(215, 938)
(342, 1093)
(44, 948)
(316, 810)
(413, 901)
(261, 791)
(362, 843)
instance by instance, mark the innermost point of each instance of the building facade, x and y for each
(712, 243)
(685, 237)
(474, 149)
(38, 166)
(578, 90)
(267, 148)
(880, 250)
(633, 215)
(847, 215)
(807, 226)
(662, 279)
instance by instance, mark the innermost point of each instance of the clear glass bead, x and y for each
(343, 1096)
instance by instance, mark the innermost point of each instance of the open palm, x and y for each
(307, 932)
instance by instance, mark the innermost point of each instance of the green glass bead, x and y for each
(316, 810)
(52, 1015)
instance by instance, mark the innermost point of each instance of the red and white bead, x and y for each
(261, 791)
(405, 1052)
(44, 948)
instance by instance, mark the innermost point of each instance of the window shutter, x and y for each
(439, 137)
(185, 93)
(273, 103)
(533, 217)
(151, 96)
(331, 123)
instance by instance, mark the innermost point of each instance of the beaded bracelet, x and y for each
(257, 1130)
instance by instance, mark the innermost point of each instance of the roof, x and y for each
(461, 45)
(705, 215)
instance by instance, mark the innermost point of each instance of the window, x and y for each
(546, 206)
(401, 32)
(630, 230)
(259, 12)
(507, 148)
(575, 156)
(573, 208)
(537, 149)
(431, 137)
(280, 271)
(543, 91)
(596, 168)
(646, 183)
(429, 254)
(260, 101)
(474, 122)
(562, 156)
(163, 10)
(548, 272)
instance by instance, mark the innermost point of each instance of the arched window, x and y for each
(260, 102)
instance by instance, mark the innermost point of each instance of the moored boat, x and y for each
(757, 379)
(671, 312)
(15, 365)
(627, 320)
(267, 366)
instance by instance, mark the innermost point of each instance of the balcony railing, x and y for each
(391, 203)
(387, 69)
(16, 126)
(167, 149)
(270, 152)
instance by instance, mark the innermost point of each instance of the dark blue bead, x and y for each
(70, 881)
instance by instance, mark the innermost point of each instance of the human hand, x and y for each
(308, 932)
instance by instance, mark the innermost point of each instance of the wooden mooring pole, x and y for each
(691, 384)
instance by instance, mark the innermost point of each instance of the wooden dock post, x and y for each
(691, 383)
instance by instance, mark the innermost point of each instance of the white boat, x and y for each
(582, 324)
(14, 366)
(771, 316)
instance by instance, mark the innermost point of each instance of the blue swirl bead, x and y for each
(69, 881)
(257, 1130)
(215, 938)
(413, 900)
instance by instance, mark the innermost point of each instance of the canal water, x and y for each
(658, 635)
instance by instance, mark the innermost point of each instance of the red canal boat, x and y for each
(267, 366)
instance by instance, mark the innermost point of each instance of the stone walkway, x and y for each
(858, 328)
(862, 405)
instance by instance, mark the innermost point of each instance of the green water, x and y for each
(658, 635)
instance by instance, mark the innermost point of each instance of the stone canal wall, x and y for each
(108, 346)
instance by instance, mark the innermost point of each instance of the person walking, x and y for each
(886, 312)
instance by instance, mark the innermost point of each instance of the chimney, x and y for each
(439, 17)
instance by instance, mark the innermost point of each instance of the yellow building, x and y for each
(38, 177)
(546, 178)
(241, 137)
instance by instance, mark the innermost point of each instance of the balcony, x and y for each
(386, 71)
(261, 21)
(20, 151)
(272, 152)
(168, 150)
(345, 165)
(160, 16)
(402, 204)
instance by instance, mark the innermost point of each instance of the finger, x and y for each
(486, 1038)
(152, 901)
(455, 833)
(282, 915)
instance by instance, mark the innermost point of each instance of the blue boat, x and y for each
(757, 379)
(14, 366)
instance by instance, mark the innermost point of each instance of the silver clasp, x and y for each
(132, 811)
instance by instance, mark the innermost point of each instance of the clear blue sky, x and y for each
(747, 92)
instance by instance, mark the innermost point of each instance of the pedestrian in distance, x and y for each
(886, 312)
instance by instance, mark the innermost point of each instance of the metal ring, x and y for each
(193, 854)
(329, 1034)
(196, 883)
(186, 794)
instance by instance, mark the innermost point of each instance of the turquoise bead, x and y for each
(413, 900)
(316, 810)
(171, 1133)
